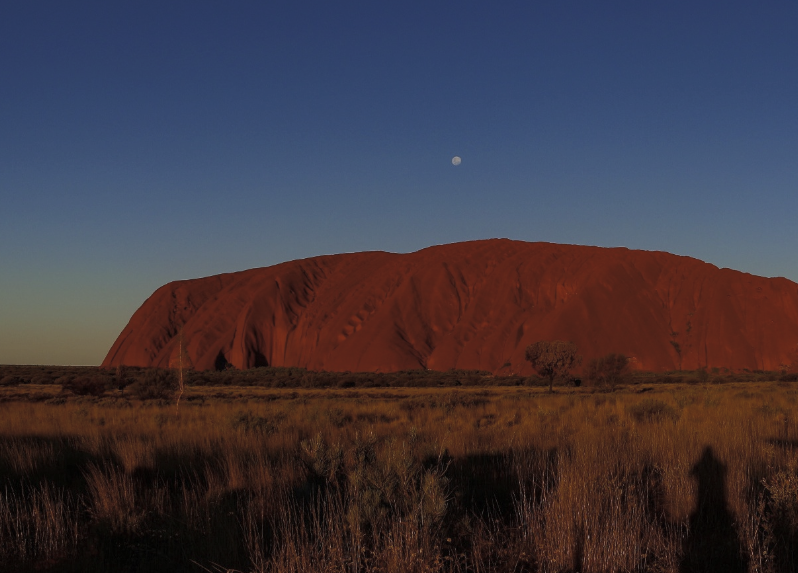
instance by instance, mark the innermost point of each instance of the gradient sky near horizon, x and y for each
(145, 142)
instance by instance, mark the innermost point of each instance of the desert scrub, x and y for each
(10, 381)
(779, 509)
(37, 524)
(652, 410)
(379, 504)
(157, 384)
(482, 479)
(251, 422)
(85, 386)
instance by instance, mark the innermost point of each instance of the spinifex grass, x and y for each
(491, 479)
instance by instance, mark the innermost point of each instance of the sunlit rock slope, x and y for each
(474, 305)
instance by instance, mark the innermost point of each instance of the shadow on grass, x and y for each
(63, 464)
(712, 543)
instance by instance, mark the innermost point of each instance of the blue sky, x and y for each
(145, 142)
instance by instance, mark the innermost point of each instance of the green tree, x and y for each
(553, 358)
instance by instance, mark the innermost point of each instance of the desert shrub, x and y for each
(37, 524)
(389, 482)
(115, 505)
(552, 358)
(534, 380)
(157, 384)
(62, 380)
(123, 377)
(652, 410)
(85, 386)
(324, 463)
(285, 377)
(779, 507)
(789, 377)
(702, 375)
(608, 371)
(338, 417)
(10, 381)
(383, 480)
(249, 422)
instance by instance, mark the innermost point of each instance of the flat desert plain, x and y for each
(649, 476)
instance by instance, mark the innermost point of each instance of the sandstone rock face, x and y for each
(474, 305)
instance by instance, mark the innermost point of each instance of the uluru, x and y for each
(470, 305)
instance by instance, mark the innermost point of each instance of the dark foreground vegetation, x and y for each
(271, 377)
(102, 471)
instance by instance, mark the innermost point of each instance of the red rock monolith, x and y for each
(473, 305)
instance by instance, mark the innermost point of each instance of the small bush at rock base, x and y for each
(157, 384)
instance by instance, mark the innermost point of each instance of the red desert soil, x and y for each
(474, 305)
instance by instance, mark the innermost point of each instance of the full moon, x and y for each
(456, 160)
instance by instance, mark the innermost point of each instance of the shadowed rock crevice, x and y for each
(220, 363)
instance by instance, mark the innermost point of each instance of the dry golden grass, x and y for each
(647, 478)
